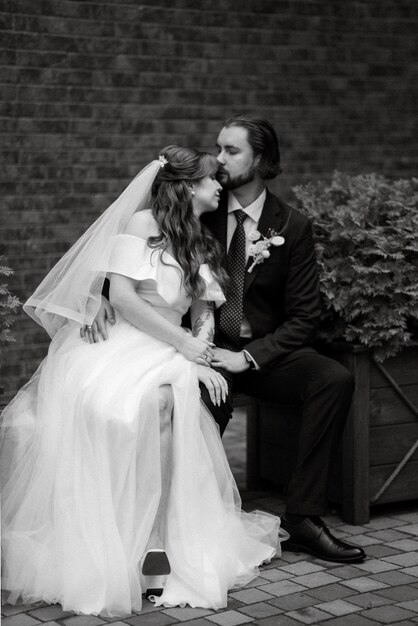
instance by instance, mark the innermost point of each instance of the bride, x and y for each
(107, 452)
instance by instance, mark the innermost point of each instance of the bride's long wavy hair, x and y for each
(189, 240)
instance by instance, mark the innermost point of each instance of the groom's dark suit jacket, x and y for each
(281, 294)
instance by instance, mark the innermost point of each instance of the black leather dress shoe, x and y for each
(313, 536)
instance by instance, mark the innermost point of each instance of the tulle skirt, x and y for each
(84, 469)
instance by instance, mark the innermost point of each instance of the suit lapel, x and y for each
(271, 218)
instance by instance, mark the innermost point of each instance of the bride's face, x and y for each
(206, 195)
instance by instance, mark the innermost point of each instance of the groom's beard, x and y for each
(233, 183)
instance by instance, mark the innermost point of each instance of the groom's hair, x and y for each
(264, 141)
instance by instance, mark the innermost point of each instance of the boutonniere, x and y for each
(259, 249)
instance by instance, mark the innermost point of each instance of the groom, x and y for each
(267, 325)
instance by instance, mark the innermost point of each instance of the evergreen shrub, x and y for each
(366, 234)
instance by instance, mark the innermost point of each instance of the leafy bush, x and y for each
(366, 233)
(8, 306)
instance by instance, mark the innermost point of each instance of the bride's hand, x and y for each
(196, 350)
(214, 382)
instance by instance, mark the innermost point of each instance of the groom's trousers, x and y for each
(324, 388)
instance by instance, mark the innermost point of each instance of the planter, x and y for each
(378, 459)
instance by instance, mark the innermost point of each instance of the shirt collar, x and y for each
(253, 210)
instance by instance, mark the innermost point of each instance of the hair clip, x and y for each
(163, 161)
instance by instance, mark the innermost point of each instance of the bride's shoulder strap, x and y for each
(142, 224)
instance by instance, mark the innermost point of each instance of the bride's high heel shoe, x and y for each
(156, 568)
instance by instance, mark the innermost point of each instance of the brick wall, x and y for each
(91, 90)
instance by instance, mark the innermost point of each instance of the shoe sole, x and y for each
(294, 547)
(153, 592)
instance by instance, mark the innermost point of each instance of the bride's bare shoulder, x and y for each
(142, 224)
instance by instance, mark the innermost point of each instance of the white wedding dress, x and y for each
(83, 468)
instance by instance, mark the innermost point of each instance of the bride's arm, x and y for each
(203, 320)
(203, 326)
(141, 314)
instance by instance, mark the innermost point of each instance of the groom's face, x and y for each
(237, 163)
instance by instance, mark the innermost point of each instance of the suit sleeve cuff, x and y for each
(248, 355)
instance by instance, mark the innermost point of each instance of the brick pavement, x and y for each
(294, 589)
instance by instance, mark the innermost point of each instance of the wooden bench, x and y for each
(251, 406)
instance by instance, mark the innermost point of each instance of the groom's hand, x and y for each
(234, 362)
(105, 315)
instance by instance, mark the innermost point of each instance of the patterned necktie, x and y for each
(231, 312)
